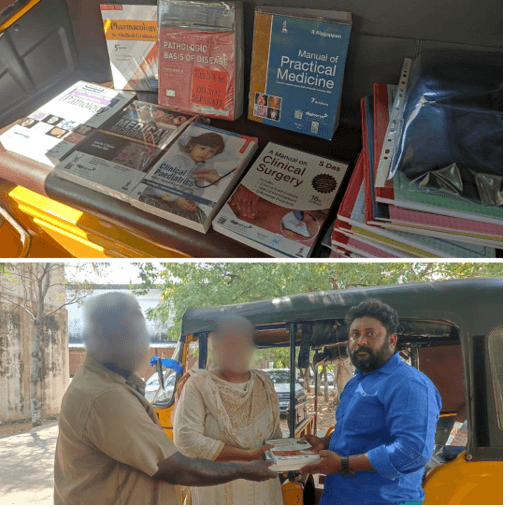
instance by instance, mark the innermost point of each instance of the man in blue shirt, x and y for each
(386, 419)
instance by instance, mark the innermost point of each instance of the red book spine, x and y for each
(349, 200)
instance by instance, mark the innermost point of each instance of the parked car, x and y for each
(281, 379)
(329, 376)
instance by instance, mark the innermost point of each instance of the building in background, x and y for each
(161, 349)
(16, 340)
(158, 330)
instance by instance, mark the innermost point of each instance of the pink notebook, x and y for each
(454, 224)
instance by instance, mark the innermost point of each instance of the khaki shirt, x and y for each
(110, 442)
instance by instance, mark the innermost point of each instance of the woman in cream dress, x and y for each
(227, 413)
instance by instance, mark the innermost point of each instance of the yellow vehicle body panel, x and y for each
(7, 23)
(82, 235)
(165, 416)
(292, 493)
(465, 482)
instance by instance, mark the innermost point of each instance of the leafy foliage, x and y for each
(186, 285)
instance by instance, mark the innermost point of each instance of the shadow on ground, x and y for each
(26, 466)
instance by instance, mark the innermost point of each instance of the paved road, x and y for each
(26, 466)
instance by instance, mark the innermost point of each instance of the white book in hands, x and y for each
(290, 454)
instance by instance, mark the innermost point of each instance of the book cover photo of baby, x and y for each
(192, 177)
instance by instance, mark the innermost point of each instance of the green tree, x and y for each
(209, 284)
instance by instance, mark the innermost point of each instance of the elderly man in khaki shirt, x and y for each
(111, 448)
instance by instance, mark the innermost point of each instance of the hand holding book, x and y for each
(259, 453)
(318, 444)
(288, 454)
(329, 463)
(258, 471)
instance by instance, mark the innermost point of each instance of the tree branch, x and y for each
(18, 304)
(75, 299)
(58, 308)
(348, 285)
(45, 279)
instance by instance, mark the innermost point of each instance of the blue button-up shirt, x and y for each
(390, 414)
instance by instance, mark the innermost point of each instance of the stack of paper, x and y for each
(380, 217)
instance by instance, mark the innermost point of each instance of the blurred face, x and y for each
(369, 345)
(117, 334)
(137, 343)
(233, 350)
(199, 153)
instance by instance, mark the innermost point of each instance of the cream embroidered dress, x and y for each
(212, 412)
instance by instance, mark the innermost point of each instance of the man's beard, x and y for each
(374, 361)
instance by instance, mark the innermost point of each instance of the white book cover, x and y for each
(282, 202)
(290, 454)
(118, 155)
(191, 182)
(50, 132)
(131, 38)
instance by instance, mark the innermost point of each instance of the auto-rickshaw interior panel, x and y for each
(444, 366)
(334, 331)
(495, 391)
(487, 393)
(432, 347)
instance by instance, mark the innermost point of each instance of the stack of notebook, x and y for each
(382, 215)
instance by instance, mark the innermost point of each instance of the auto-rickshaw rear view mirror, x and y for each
(159, 362)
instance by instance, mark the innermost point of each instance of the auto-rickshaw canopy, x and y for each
(471, 305)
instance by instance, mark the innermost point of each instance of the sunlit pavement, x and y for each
(26, 466)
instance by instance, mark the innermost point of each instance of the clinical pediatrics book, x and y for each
(115, 158)
(290, 454)
(131, 38)
(298, 60)
(191, 182)
(282, 202)
(201, 57)
(52, 131)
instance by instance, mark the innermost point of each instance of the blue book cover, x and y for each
(298, 61)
